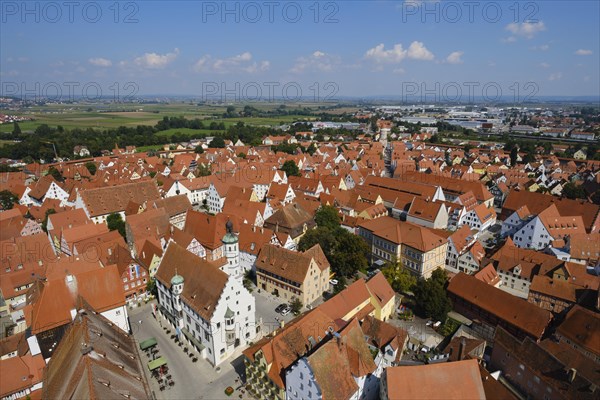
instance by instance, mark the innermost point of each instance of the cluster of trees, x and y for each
(572, 191)
(115, 223)
(181, 122)
(7, 199)
(399, 278)
(346, 252)
(290, 168)
(430, 296)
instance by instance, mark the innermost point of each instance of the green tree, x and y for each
(241, 154)
(296, 305)
(55, 174)
(399, 277)
(91, 167)
(49, 212)
(7, 199)
(572, 191)
(341, 285)
(203, 170)
(151, 287)
(346, 253)
(16, 128)
(116, 223)
(431, 297)
(514, 153)
(290, 168)
(327, 216)
(199, 149)
(217, 143)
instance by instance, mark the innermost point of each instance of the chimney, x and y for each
(572, 374)
(461, 348)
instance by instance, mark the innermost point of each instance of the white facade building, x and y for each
(206, 303)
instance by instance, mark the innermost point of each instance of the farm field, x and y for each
(98, 116)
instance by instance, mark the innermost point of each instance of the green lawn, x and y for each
(142, 149)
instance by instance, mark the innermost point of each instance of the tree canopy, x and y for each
(91, 167)
(327, 216)
(116, 223)
(431, 297)
(217, 143)
(572, 191)
(290, 168)
(399, 277)
(347, 253)
(7, 199)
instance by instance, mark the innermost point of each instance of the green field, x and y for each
(6, 142)
(98, 116)
(187, 131)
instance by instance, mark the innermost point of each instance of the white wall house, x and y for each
(216, 327)
(215, 200)
(515, 222)
(533, 235)
(178, 188)
(311, 376)
(462, 259)
(479, 218)
(514, 281)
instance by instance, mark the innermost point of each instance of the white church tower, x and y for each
(232, 252)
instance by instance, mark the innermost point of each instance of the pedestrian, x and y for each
(140, 321)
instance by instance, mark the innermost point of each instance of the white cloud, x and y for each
(416, 51)
(543, 47)
(583, 52)
(510, 39)
(526, 29)
(555, 76)
(238, 63)
(491, 64)
(100, 62)
(317, 61)
(380, 55)
(154, 60)
(399, 71)
(544, 65)
(455, 57)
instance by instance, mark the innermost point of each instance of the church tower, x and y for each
(232, 251)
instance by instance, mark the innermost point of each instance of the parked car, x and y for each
(373, 272)
(333, 282)
(280, 308)
(286, 310)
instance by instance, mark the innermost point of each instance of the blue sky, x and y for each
(366, 48)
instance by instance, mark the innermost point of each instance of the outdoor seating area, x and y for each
(157, 364)
(180, 343)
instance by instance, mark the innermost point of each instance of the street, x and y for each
(265, 310)
(192, 380)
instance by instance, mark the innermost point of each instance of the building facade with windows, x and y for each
(208, 308)
(417, 248)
